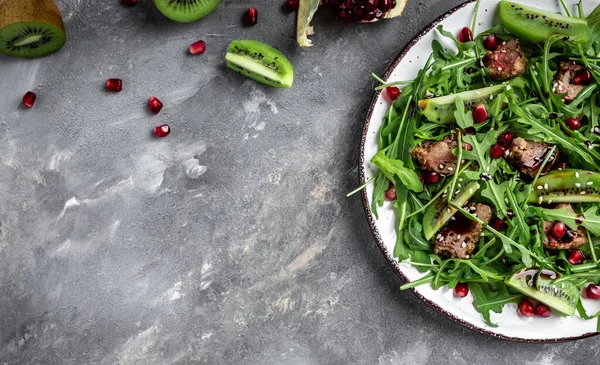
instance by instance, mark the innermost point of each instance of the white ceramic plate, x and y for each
(405, 67)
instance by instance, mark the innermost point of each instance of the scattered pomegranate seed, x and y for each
(490, 42)
(576, 257)
(561, 165)
(154, 105)
(162, 130)
(505, 139)
(461, 290)
(392, 92)
(29, 99)
(198, 47)
(558, 230)
(129, 2)
(592, 291)
(497, 224)
(573, 123)
(251, 17)
(390, 194)
(497, 151)
(115, 85)
(480, 114)
(526, 308)
(543, 310)
(291, 5)
(582, 77)
(465, 35)
(431, 177)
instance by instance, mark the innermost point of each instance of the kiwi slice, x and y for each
(186, 11)
(30, 28)
(260, 62)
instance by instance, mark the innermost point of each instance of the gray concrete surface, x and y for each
(116, 249)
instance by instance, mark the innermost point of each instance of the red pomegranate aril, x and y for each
(154, 105)
(251, 17)
(291, 5)
(526, 308)
(114, 85)
(198, 48)
(431, 177)
(390, 193)
(490, 42)
(543, 310)
(582, 77)
(497, 151)
(480, 114)
(162, 130)
(592, 291)
(497, 224)
(505, 139)
(129, 2)
(465, 35)
(576, 257)
(558, 230)
(385, 5)
(29, 99)
(461, 290)
(392, 92)
(573, 123)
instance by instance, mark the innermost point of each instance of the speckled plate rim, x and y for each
(371, 218)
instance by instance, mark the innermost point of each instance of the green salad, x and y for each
(490, 157)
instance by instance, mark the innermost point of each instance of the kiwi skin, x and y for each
(199, 11)
(13, 12)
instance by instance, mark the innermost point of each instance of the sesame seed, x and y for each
(441, 166)
(463, 245)
(590, 183)
(576, 174)
(467, 257)
(458, 237)
(457, 192)
(546, 186)
(541, 200)
(450, 169)
(444, 195)
(460, 179)
(440, 238)
(578, 185)
(459, 185)
(499, 68)
(550, 201)
(482, 234)
(470, 191)
(449, 210)
(487, 169)
(540, 187)
(452, 218)
(582, 193)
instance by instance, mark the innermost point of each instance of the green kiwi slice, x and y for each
(186, 11)
(30, 28)
(260, 62)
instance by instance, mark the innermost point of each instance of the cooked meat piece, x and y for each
(506, 62)
(528, 156)
(437, 156)
(563, 80)
(458, 237)
(571, 239)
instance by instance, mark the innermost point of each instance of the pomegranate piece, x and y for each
(505, 139)
(386, 5)
(390, 194)
(198, 48)
(431, 177)
(582, 77)
(461, 290)
(393, 92)
(497, 151)
(592, 291)
(154, 105)
(543, 310)
(29, 99)
(162, 130)
(491, 42)
(480, 114)
(129, 2)
(465, 35)
(526, 308)
(251, 17)
(558, 230)
(573, 123)
(291, 5)
(114, 85)
(576, 257)
(497, 224)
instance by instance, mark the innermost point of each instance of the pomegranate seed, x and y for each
(490, 42)
(543, 310)
(576, 257)
(390, 194)
(154, 105)
(592, 291)
(129, 2)
(526, 308)
(480, 114)
(291, 5)
(465, 35)
(251, 17)
(115, 85)
(582, 77)
(561, 165)
(431, 177)
(461, 290)
(497, 224)
(393, 92)
(505, 139)
(197, 48)
(29, 99)
(558, 230)
(573, 123)
(386, 5)
(497, 151)
(162, 130)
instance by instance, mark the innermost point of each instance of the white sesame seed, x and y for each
(487, 169)
(441, 166)
(440, 238)
(576, 174)
(546, 186)
(482, 234)
(582, 193)
(449, 210)
(444, 195)
(459, 185)
(540, 187)
(452, 218)
(458, 236)
(541, 200)
(499, 68)
(450, 169)
(467, 257)
(463, 245)
(457, 192)
(550, 201)
(578, 185)
(470, 191)
(590, 183)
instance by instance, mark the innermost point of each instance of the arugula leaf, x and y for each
(590, 219)
(395, 168)
(480, 149)
(464, 120)
(491, 298)
(496, 193)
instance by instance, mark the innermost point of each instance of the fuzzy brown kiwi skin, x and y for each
(44, 11)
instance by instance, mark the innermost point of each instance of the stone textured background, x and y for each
(229, 242)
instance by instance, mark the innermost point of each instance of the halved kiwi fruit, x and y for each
(30, 28)
(260, 62)
(186, 11)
